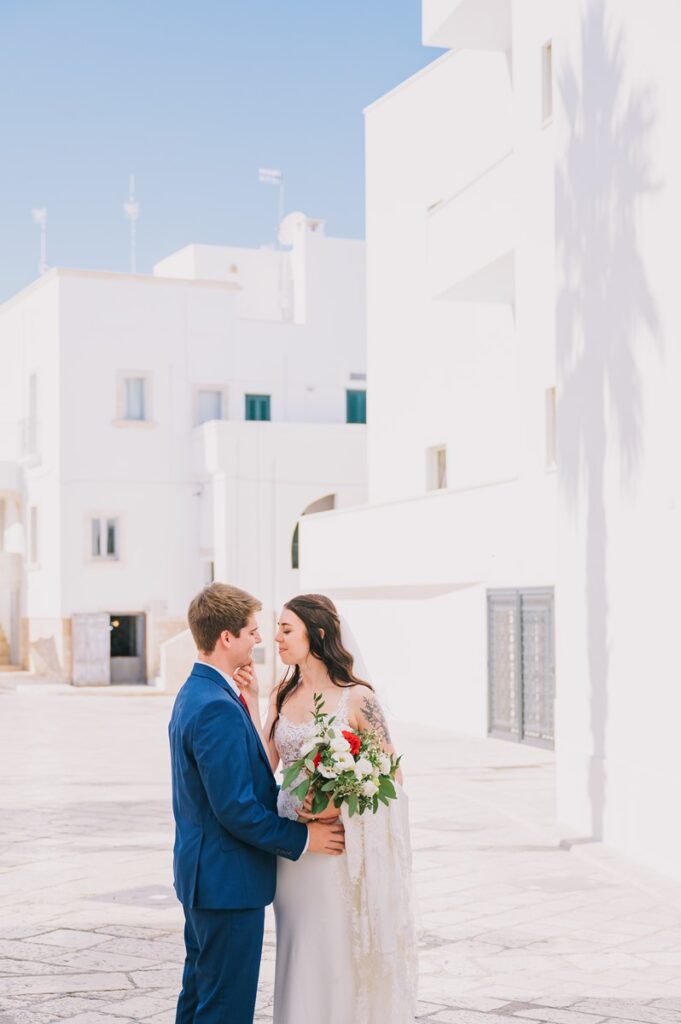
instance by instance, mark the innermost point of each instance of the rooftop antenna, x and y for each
(132, 212)
(271, 176)
(40, 218)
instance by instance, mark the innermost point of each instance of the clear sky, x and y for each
(193, 97)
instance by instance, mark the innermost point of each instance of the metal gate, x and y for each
(521, 673)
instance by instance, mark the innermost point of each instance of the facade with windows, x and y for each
(110, 385)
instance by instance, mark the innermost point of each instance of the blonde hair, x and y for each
(219, 607)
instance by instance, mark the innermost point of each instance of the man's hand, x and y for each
(326, 838)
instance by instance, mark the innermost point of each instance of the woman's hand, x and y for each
(331, 813)
(246, 679)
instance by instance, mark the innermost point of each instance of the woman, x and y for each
(345, 937)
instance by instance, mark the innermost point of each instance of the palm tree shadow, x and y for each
(605, 313)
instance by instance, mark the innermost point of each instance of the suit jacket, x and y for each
(227, 830)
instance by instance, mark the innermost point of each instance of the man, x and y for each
(227, 831)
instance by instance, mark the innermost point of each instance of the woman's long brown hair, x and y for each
(322, 622)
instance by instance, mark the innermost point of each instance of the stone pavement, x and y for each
(515, 923)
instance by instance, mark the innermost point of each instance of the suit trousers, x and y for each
(221, 968)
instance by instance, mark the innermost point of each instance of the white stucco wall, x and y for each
(619, 193)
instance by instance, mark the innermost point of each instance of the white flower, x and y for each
(385, 764)
(328, 771)
(344, 761)
(363, 767)
(309, 745)
(369, 788)
(339, 744)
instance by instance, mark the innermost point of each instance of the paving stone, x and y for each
(66, 938)
(63, 983)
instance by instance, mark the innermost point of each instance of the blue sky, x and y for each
(194, 98)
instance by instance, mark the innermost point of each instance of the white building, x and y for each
(127, 407)
(520, 195)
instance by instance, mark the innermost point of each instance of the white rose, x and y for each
(363, 767)
(308, 745)
(344, 761)
(339, 744)
(328, 771)
(369, 788)
(385, 764)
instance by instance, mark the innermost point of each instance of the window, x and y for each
(33, 534)
(547, 81)
(208, 406)
(550, 428)
(295, 548)
(258, 407)
(356, 406)
(134, 398)
(437, 468)
(104, 538)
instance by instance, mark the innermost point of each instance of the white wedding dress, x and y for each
(346, 950)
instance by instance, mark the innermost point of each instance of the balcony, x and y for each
(470, 239)
(467, 24)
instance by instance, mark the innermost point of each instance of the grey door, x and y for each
(90, 640)
(521, 674)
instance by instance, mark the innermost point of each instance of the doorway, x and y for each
(127, 636)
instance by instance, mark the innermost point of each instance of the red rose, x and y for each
(354, 741)
(317, 758)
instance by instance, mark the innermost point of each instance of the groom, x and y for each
(227, 831)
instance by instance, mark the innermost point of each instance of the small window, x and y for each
(209, 573)
(104, 538)
(33, 534)
(134, 398)
(547, 82)
(550, 428)
(208, 406)
(437, 468)
(258, 407)
(356, 406)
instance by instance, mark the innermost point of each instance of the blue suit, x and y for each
(227, 838)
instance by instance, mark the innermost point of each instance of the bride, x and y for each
(345, 937)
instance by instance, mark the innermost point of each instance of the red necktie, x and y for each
(243, 701)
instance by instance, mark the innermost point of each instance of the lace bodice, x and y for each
(289, 738)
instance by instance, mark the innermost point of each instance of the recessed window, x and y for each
(32, 440)
(134, 398)
(34, 548)
(104, 538)
(547, 81)
(258, 407)
(550, 427)
(209, 405)
(295, 548)
(437, 468)
(356, 406)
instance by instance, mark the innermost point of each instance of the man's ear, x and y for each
(226, 638)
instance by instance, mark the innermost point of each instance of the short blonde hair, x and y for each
(219, 607)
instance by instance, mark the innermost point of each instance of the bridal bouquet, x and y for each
(344, 766)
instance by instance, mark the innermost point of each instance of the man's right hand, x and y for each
(326, 838)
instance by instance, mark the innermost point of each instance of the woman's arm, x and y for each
(366, 713)
(247, 681)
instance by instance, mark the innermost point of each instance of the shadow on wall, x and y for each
(605, 313)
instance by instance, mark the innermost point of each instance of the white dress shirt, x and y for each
(235, 689)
